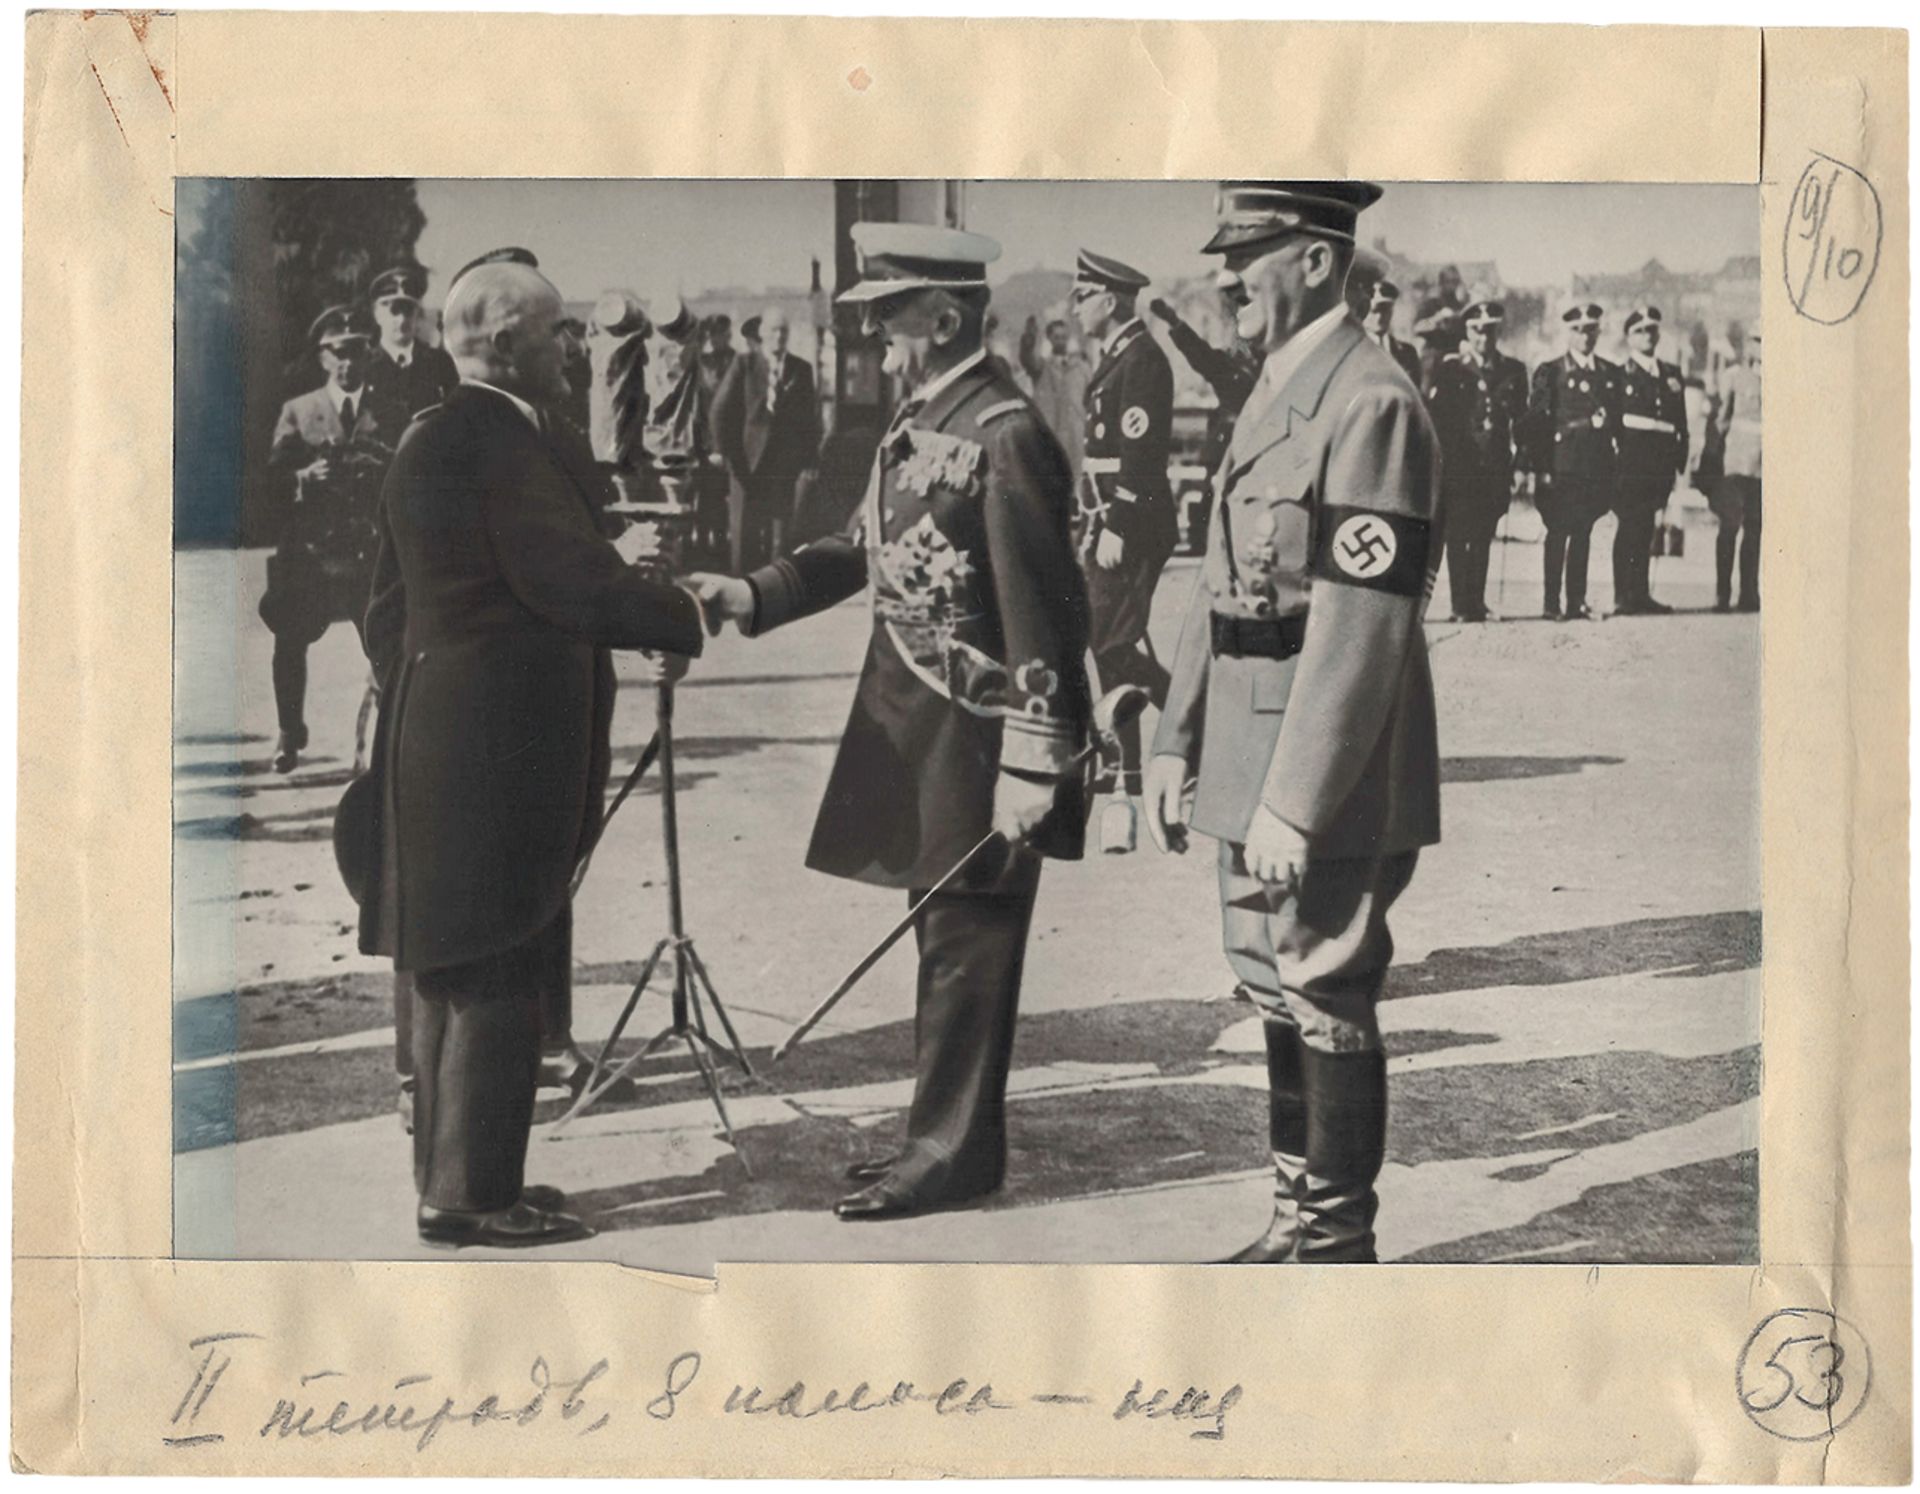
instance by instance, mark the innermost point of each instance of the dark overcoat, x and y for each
(495, 603)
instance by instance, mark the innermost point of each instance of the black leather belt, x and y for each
(1257, 637)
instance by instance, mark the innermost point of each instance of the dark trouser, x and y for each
(476, 1058)
(973, 947)
(764, 514)
(1737, 506)
(1571, 508)
(1119, 607)
(1474, 504)
(1640, 500)
(290, 683)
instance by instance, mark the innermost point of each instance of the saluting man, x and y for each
(972, 703)
(1301, 717)
(1573, 414)
(408, 376)
(1128, 526)
(1478, 399)
(1653, 450)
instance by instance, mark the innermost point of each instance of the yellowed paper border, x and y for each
(1439, 1372)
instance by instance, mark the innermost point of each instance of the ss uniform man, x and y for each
(1573, 415)
(407, 375)
(1127, 525)
(1478, 399)
(972, 701)
(495, 605)
(1653, 451)
(1378, 322)
(1301, 716)
(330, 450)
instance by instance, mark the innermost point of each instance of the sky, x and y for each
(696, 236)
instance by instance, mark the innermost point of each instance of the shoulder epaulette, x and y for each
(1005, 407)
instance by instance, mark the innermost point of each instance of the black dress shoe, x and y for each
(871, 1170)
(543, 1196)
(567, 1069)
(1580, 612)
(1743, 605)
(890, 1199)
(1552, 613)
(513, 1228)
(286, 751)
(1657, 609)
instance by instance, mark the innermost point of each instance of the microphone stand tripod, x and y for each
(692, 989)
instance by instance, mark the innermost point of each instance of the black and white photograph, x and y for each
(966, 721)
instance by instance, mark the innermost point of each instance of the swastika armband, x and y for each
(1380, 551)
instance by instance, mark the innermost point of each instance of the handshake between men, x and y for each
(1020, 805)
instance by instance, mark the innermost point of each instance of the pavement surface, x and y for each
(1573, 1017)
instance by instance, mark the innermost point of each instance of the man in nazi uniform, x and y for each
(1301, 714)
(330, 449)
(1573, 414)
(1478, 399)
(1128, 526)
(407, 376)
(972, 702)
(1382, 297)
(1653, 451)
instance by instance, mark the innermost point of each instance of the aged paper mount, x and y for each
(128, 1361)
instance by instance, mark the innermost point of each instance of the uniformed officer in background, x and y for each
(1478, 398)
(1653, 451)
(1128, 526)
(1301, 714)
(972, 703)
(1573, 418)
(407, 375)
(1382, 297)
(330, 450)
(1736, 496)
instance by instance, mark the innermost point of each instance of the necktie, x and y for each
(346, 414)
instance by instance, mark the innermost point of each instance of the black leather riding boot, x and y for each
(1346, 1115)
(1287, 1136)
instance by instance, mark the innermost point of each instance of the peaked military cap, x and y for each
(1486, 314)
(509, 255)
(1254, 212)
(340, 324)
(1384, 293)
(899, 257)
(1641, 314)
(1106, 273)
(1586, 314)
(407, 281)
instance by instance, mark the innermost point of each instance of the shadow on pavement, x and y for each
(1696, 945)
(1495, 769)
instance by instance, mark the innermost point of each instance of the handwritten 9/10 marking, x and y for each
(1832, 244)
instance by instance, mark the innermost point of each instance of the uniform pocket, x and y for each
(1273, 684)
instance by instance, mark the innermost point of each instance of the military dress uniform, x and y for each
(1653, 451)
(406, 381)
(320, 572)
(1477, 405)
(1124, 489)
(974, 669)
(1301, 685)
(1574, 416)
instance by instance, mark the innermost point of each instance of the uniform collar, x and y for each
(337, 397)
(1587, 363)
(928, 392)
(1293, 382)
(401, 356)
(1647, 365)
(1284, 361)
